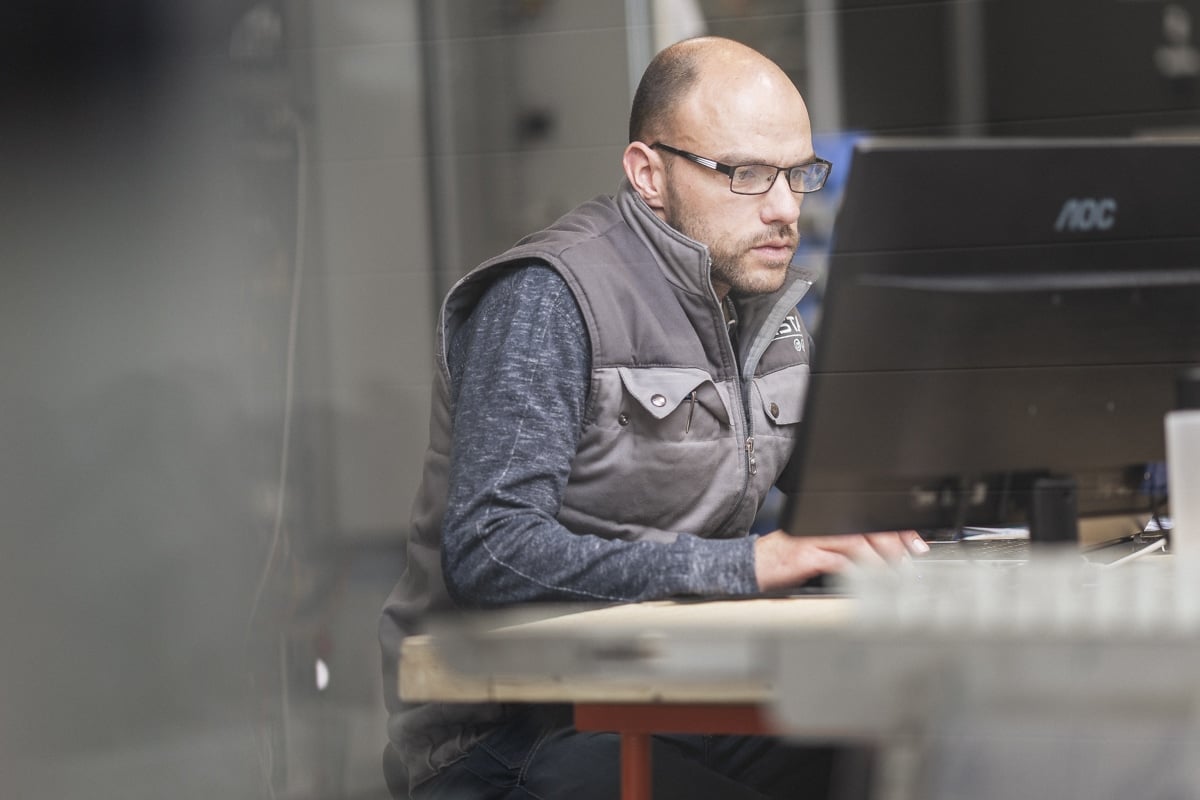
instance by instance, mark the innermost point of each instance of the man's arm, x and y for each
(520, 370)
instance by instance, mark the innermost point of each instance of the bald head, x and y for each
(704, 104)
(690, 76)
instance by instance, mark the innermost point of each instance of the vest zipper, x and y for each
(745, 419)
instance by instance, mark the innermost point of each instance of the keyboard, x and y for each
(978, 550)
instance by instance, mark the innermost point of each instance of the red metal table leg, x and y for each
(637, 722)
(635, 766)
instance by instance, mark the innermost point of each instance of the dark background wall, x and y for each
(1063, 67)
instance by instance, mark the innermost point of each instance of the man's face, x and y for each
(738, 120)
(751, 247)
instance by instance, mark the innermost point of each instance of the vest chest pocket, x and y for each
(671, 404)
(777, 401)
(780, 395)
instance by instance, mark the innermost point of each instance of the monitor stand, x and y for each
(1054, 511)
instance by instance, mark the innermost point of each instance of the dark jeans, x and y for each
(538, 754)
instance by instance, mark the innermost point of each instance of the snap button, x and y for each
(775, 410)
(622, 419)
(658, 400)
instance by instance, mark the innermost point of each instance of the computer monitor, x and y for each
(998, 312)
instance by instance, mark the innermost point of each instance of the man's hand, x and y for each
(782, 560)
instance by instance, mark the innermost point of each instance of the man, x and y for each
(615, 397)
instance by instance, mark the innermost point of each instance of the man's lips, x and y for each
(777, 246)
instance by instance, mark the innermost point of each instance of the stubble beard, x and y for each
(731, 260)
(731, 266)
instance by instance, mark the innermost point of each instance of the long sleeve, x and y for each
(520, 370)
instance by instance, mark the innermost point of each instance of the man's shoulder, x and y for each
(589, 219)
(527, 281)
(530, 289)
(598, 222)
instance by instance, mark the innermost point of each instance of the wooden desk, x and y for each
(1022, 658)
(630, 669)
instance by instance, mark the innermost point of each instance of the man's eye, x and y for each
(750, 173)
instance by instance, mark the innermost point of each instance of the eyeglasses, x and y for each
(759, 178)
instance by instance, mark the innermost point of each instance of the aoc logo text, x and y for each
(1082, 214)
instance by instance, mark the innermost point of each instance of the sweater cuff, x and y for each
(719, 566)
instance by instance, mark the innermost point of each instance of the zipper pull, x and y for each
(691, 410)
(752, 461)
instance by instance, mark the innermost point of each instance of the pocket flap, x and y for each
(660, 390)
(782, 394)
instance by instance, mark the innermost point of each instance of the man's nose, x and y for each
(780, 203)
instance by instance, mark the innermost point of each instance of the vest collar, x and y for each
(685, 262)
(682, 259)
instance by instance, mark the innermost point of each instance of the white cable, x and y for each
(278, 541)
(1153, 547)
(278, 537)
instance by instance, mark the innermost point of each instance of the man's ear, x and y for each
(646, 173)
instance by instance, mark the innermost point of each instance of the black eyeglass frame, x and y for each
(729, 169)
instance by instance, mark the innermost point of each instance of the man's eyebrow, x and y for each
(738, 159)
